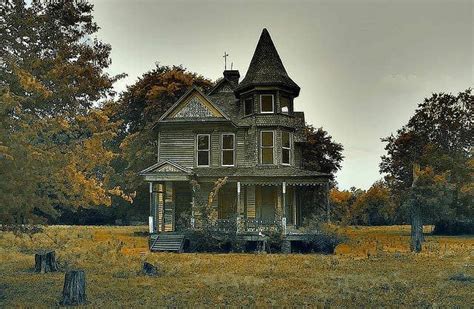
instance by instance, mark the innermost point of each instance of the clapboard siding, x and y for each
(177, 146)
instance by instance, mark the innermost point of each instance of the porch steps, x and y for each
(167, 242)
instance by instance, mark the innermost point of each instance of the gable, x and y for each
(194, 105)
(222, 86)
(165, 167)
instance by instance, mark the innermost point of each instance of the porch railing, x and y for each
(247, 225)
(260, 225)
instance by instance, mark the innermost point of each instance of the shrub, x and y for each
(212, 241)
(454, 227)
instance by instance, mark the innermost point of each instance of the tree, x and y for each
(375, 206)
(138, 109)
(55, 119)
(438, 136)
(320, 152)
(428, 198)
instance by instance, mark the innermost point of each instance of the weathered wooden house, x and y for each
(247, 131)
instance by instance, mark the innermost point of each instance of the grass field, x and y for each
(374, 267)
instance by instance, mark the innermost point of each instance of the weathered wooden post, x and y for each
(45, 262)
(74, 290)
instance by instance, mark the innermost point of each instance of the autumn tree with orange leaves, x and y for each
(55, 122)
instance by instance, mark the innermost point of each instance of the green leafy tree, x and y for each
(320, 152)
(427, 198)
(440, 136)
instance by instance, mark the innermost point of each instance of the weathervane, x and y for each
(225, 60)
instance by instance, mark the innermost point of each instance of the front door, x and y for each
(266, 202)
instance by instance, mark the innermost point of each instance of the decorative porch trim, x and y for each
(174, 168)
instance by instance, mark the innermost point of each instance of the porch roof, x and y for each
(277, 171)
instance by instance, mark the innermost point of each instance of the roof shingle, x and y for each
(266, 68)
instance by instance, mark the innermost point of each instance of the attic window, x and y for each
(248, 106)
(285, 105)
(203, 149)
(266, 104)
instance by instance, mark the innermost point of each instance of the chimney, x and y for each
(233, 76)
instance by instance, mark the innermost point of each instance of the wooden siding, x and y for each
(177, 146)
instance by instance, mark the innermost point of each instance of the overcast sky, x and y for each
(362, 66)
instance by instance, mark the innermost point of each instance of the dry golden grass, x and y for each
(373, 268)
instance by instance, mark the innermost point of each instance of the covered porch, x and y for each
(248, 205)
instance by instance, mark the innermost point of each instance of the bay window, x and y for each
(267, 142)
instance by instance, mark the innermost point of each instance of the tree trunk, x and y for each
(416, 231)
(45, 262)
(74, 290)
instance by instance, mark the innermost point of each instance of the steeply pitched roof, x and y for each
(266, 68)
(211, 111)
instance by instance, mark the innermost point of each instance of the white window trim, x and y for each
(262, 147)
(290, 156)
(208, 150)
(273, 103)
(222, 149)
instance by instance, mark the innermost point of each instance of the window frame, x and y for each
(251, 106)
(208, 150)
(233, 149)
(289, 103)
(290, 142)
(267, 147)
(273, 103)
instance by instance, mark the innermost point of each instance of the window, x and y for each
(228, 149)
(266, 145)
(248, 106)
(203, 149)
(266, 103)
(285, 148)
(285, 105)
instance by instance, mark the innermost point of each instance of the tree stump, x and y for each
(74, 290)
(45, 262)
(150, 269)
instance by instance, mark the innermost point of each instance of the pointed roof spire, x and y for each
(266, 68)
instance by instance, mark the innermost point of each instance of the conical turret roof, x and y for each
(266, 68)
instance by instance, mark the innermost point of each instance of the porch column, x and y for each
(152, 217)
(239, 207)
(283, 219)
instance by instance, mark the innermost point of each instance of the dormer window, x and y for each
(266, 104)
(248, 106)
(285, 105)
(203, 149)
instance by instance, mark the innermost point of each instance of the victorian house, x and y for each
(245, 130)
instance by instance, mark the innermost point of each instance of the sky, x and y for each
(363, 66)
